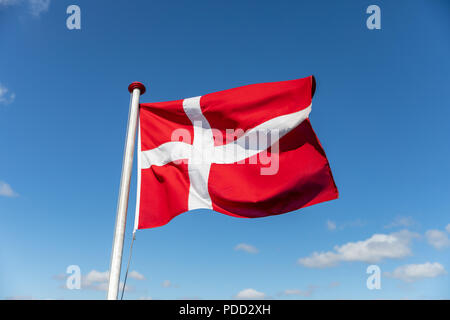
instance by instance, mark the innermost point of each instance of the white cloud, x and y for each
(437, 239)
(36, 7)
(96, 276)
(136, 275)
(250, 294)
(297, 292)
(414, 272)
(6, 97)
(6, 190)
(331, 225)
(292, 292)
(9, 2)
(374, 249)
(246, 247)
(401, 222)
(320, 260)
(98, 280)
(447, 228)
(168, 284)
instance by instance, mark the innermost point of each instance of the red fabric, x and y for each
(246, 107)
(159, 120)
(164, 194)
(304, 177)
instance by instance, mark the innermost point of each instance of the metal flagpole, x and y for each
(136, 89)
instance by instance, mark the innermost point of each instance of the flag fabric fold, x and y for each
(246, 152)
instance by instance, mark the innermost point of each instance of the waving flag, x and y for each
(246, 152)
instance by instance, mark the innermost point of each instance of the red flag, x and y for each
(246, 152)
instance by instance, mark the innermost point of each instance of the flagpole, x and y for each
(135, 89)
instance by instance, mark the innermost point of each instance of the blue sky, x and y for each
(381, 111)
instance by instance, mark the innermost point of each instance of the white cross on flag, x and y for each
(246, 152)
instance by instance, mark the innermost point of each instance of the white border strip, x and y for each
(139, 169)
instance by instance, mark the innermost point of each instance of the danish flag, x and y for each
(246, 152)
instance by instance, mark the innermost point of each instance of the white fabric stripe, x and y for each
(238, 150)
(165, 153)
(200, 163)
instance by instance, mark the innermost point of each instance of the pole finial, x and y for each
(136, 85)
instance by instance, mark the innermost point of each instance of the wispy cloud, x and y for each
(98, 280)
(447, 228)
(331, 225)
(437, 239)
(250, 294)
(414, 272)
(136, 275)
(35, 7)
(246, 247)
(371, 250)
(403, 222)
(9, 2)
(96, 276)
(298, 292)
(6, 190)
(168, 284)
(6, 97)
